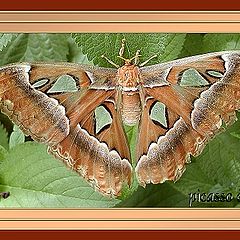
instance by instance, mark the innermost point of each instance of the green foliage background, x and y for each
(36, 179)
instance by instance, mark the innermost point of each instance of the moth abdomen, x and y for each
(131, 107)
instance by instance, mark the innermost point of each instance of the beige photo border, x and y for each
(120, 218)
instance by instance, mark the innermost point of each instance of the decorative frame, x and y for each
(120, 218)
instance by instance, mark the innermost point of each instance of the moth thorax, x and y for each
(128, 76)
(131, 107)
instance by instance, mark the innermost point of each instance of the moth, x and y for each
(129, 94)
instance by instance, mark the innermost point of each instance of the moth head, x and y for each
(128, 61)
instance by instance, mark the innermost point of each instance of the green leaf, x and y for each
(3, 137)
(16, 137)
(36, 179)
(35, 47)
(237, 135)
(131, 132)
(5, 39)
(161, 195)
(75, 53)
(221, 42)
(193, 45)
(167, 46)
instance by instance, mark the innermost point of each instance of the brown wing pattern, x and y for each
(65, 121)
(197, 112)
(102, 158)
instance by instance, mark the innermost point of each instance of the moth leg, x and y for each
(118, 99)
(144, 63)
(142, 94)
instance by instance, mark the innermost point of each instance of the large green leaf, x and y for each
(5, 39)
(75, 53)
(221, 42)
(36, 179)
(193, 45)
(197, 43)
(161, 195)
(35, 47)
(166, 46)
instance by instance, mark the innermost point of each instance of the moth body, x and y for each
(131, 107)
(129, 79)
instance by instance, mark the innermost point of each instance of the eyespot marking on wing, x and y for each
(64, 83)
(214, 73)
(158, 113)
(40, 83)
(102, 118)
(192, 78)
